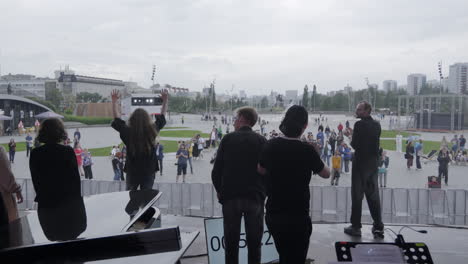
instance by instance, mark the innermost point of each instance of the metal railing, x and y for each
(328, 203)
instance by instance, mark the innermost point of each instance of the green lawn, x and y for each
(169, 146)
(389, 144)
(20, 146)
(181, 133)
(173, 127)
(392, 134)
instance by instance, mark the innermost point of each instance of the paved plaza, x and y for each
(103, 136)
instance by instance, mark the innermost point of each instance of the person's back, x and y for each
(366, 139)
(239, 187)
(240, 178)
(287, 158)
(54, 172)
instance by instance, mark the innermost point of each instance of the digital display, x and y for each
(146, 101)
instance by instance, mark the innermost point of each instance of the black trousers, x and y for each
(160, 163)
(88, 172)
(364, 181)
(252, 210)
(418, 162)
(443, 171)
(291, 235)
(28, 150)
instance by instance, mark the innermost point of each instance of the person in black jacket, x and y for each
(288, 164)
(365, 141)
(444, 159)
(139, 136)
(56, 180)
(240, 187)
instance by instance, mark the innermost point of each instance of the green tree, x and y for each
(54, 96)
(313, 98)
(305, 97)
(264, 102)
(85, 97)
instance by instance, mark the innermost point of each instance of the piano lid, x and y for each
(101, 215)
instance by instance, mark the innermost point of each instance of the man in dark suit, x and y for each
(240, 187)
(364, 179)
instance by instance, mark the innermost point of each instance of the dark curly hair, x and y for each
(52, 131)
(294, 121)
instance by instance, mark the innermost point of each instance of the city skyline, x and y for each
(257, 46)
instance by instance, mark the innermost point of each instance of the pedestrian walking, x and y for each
(409, 154)
(29, 144)
(365, 140)
(182, 157)
(77, 135)
(383, 168)
(79, 157)
(12, 150)
(418, 151)
(87, 164)
(336, 168)
(288, 164)
(240, 188)
(116, 165)
(189, 147)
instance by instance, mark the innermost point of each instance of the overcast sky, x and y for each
(257, 45)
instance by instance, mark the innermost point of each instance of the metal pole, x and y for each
(452, 114)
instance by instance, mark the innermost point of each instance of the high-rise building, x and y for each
(458, 74)
(390, 85)
(415, 82)
(348, 89)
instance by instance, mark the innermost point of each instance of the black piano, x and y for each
(118, 227)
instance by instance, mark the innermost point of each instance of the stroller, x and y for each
(431, 156)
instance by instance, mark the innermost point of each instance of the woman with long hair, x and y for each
(56, 180)
(288, 164)
(139, 136)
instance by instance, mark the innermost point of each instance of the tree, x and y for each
(54, 96)
(85, 97)
(313, 98)
(305, 97)
(264, 102)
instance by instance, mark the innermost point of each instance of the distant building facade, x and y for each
(458, 78)
(389, 85)
(415, 82)
(23, 85)
(72, 84)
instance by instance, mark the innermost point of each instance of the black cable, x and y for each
(419, 231)
(194, 256)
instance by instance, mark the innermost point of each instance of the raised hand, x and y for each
(115, 95)
(164, 95)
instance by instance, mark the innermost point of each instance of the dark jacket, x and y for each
(443, 160)
(140, 166)
(54, 173)
(234, 172)
(366, 140)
